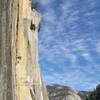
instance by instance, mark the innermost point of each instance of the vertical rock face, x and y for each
(20, 76)
(22, 86)
(7, 35)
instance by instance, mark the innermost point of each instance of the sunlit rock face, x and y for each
(20, 74)
(72, 97)
(58, 92)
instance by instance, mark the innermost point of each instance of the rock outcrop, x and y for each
(58, 92)
(72, 96)
(20, 75)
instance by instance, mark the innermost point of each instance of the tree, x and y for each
(34, 5)
(98, 92)
(95, 95)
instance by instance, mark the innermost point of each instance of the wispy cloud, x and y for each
(69, 42)
(98, 47)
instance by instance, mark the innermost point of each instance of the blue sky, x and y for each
(69, 42)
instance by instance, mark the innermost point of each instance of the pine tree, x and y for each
(98, 92)
(34, 5)
(95, 95)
